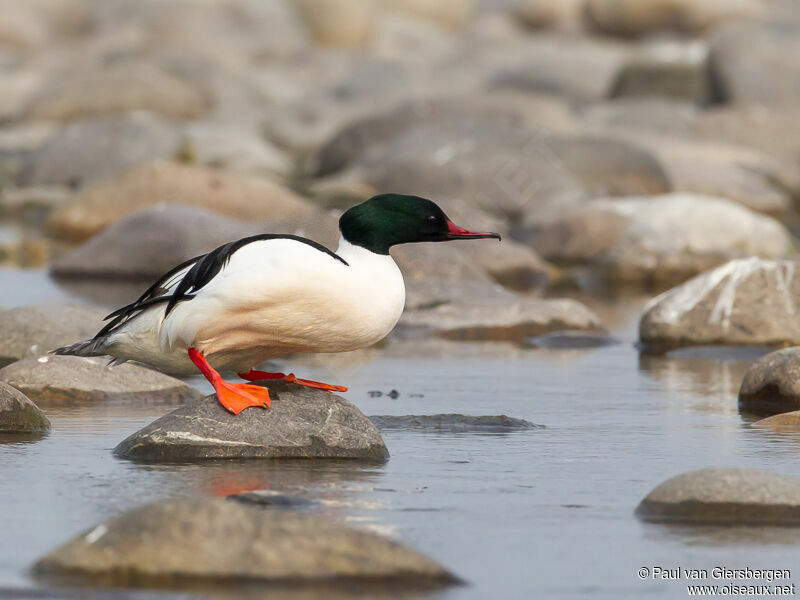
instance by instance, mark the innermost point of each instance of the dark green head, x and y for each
(389, 219)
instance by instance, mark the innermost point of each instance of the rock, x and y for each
(752, 63)
(500, 316)
(272, 499)
(787, 422)
(430, 292)
(118, 87)
(302, 423)
(338, 22)
(750, 302)
(89, 149)
(18, 413)
(640, 17)
(453, 423)
(510, 263)
(724, 496)
(772, 384)
(447, 13)
(570, 340)
(69, 380)
(31, 205)
(110, 200)
(148, 243)
(29, 331)
(180, 541)
(565, 15)
(233, 149)
(662, 238)
(667, 68)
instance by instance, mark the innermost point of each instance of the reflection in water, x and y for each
(18, 437)
(709, 535)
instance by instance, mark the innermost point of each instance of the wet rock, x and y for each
(501, 316)
(772, 384)
(110, 200)
(453, 423)
(118, 87)
(787, 422)
(565, 15)
(150, 242)
(724, 496)
(29, 331)
(338, 22)
(302, 423)
(662, 238)
(68, 380)
(89, 149)
(271, 499)
(18, 413)
(640, 17)
(670, 69)
(753, 62)
(750, 302)
(560, 340)
(179, 541)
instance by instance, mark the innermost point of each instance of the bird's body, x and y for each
(268, 295)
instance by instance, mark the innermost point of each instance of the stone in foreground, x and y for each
(18, 413)
(724, 496)
(454, 423)
(772, 384)
(35, 330)
(302, 423)
(178, 542)
(65, 380)
(745, 302)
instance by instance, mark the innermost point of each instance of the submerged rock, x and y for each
(18, 413)
(111, 200)
(35, 330)
(272, 499)
(182, 541)
(787, 422)
(567, 340)
(454, 423)
(772, 384)
(725, 496)
(302, 423)
(66, 380)
(747, 302)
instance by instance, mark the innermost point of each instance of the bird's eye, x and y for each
(433, 220)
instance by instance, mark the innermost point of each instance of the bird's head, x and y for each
(386, 220)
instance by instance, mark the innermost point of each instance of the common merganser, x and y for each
(263, 296)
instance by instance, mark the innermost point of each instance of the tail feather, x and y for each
(94, 347)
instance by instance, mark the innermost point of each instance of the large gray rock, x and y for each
(724, 496)
(68, 380)
(108, 201)
(150, 242)
(754, 64)
(18, 413)
(180, 541)
(748, 302)
(663, 238)
(35, 330)
(90, 149)
(772, 384)
(302, 423)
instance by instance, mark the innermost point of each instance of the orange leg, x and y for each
(253, 375)
(235, 397)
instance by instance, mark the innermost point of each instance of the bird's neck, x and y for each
(358, 255)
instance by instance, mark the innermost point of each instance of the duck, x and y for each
(268, 295)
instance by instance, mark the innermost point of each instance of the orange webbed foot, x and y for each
(253, 375)
(235, 397)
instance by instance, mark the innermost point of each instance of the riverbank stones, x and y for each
(69, 380)
(302, 423)
(772, 384)
(180, 542)
(18, 413)
(724, 496)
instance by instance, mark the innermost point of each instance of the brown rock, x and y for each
(18, 413)
(772, 384)
(788, 422)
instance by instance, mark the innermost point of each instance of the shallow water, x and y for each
(544, 513)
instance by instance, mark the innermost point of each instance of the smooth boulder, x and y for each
(663, 238)
(772, 384)
(69, 380)
(745, 302)
(179, 542)
(28, 331)
(724, 496)
(302, 423)
(18, 413)
(787, 422)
